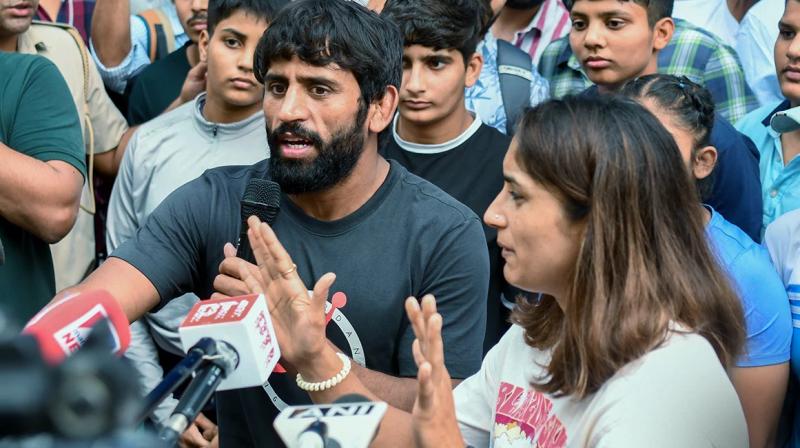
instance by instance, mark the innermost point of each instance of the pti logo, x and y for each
(227, 310)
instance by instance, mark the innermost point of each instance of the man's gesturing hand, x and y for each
(298, 318)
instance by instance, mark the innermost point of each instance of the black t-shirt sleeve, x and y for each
(457, 274)
(169, 248)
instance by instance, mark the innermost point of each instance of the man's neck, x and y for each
(193, 54)
(217, 111)
(351, 194)
(510, 21)
(449, 128)
(9, 43)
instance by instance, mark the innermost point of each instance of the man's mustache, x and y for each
(200, 17)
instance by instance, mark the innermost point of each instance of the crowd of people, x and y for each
(526, 222)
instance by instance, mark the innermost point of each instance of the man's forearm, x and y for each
(40, 197)
(397, 392)
(111, 24)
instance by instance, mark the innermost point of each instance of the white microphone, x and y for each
(352, 421)
(244, 324)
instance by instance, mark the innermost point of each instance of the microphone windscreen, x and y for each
(63, 327)
(262, 198)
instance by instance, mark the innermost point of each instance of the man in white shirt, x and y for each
(711, 15)
(755, 43)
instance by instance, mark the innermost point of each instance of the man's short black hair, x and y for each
(219, 10)
(656, 9)
(341, 32)
(440, 24)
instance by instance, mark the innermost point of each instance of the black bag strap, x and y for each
(514, 70)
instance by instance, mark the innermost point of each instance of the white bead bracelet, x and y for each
(327, 384)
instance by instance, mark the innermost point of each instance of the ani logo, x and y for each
(332, 314)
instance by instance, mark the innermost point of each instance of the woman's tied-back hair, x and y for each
(689, 103)
(690, 106)
(341, 32)
(644, 262)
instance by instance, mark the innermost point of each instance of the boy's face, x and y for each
(229, 54)
(614, 42)
(434, 82)
(193, 15)
(787, 52)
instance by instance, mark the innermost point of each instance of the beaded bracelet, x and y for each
(327, 384)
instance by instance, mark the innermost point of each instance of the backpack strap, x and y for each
(86, 116)
(160, 35)
(514, 70)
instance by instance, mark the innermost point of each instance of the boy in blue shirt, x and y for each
(779, 167)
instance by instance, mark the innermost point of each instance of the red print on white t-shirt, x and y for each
(523, 419)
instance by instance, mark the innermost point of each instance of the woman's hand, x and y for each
(434, 415)
(298, 318)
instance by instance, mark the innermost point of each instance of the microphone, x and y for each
(245, 325)
(350, 421)
(262, 198)
(62, 327)
(178, 375)
(222, 362)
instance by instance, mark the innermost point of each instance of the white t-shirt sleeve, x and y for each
(476, 396)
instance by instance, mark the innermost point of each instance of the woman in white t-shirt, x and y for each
(629, 341)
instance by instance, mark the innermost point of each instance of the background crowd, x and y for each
(111, 111)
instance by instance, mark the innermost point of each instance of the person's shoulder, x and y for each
(784, 230)
(24, 71)
(488, 143)
(678, 391)
(429, 202)
(173, 122)
(730, 240)
(684, 358)
(224, 181)
(236, 174)
(754, 120)
(686, 31)
(24, 64)
(53, 32)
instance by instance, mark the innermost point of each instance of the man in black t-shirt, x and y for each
(434, 135)
(385, 232)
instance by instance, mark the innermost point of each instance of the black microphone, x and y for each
(221, 364)
(262, 198)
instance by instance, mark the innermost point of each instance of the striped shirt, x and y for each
(77, 13)
(551, 22)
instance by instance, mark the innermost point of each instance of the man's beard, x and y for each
(334, 162)
(523, 4)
